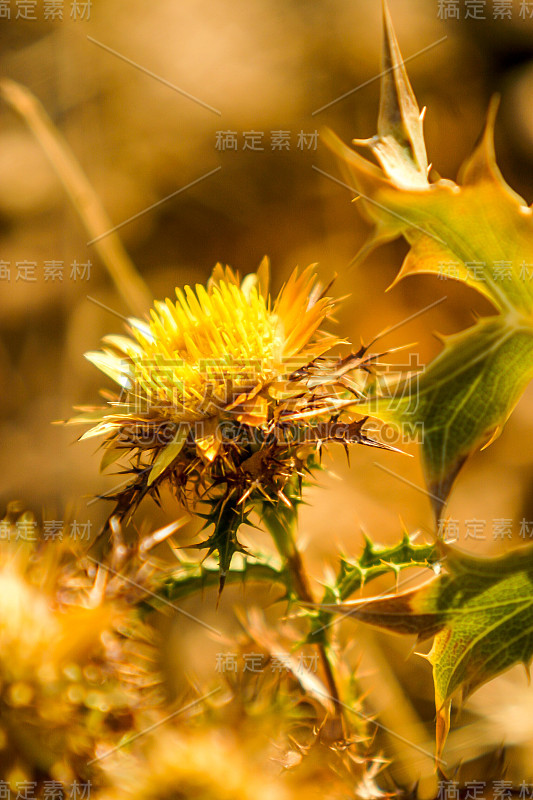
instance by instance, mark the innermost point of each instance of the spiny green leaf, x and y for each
(377, 560)
(192, 577)
(226, 516)
(463, 399)
(481, 233)
(480, 611)
(374, 561)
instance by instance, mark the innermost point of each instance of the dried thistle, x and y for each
(74, 661)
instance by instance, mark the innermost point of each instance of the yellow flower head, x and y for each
(222, 353)
(227, 394)
(224, 348)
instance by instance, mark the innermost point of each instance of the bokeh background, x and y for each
(265, 67)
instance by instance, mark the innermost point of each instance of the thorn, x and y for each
(422, 655)
(221, 584)
(347, 451)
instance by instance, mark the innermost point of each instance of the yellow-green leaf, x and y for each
(111, 454)
(167, 455)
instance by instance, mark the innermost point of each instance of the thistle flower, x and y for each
(70, 682)
(227, 395)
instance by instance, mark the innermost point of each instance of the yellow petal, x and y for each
(117, 369)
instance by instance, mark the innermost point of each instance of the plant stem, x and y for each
(281, 522)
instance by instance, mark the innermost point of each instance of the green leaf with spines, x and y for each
(374, 561)
(463, 398)
(226, 517)
(377, 560)
(192, 576)
(480, 611)
(478, 232)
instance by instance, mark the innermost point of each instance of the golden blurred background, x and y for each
(145, 95)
